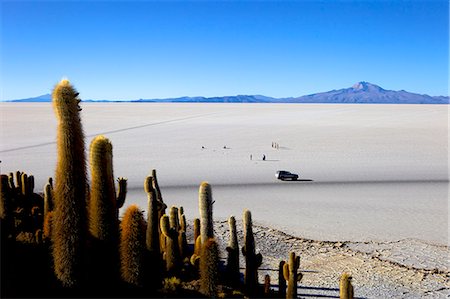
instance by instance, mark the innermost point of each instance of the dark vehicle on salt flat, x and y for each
(286, 175)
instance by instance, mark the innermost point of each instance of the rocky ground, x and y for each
(403, 269)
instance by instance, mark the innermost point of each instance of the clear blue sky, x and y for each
(160, 49)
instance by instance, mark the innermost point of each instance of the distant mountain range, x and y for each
(360, 93)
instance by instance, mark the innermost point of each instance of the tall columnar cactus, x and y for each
(103, 221)
(205, 204)
(345, 286)
(172, 255)
(152, 235)
(232, 269)
(48, 199)
(182, 219)
(12, 186)
(156, 187)
(209, 263)
(30, 184)
(48, 226)
(161, 207)
(6, 216)
(70, 220)
(196, 229)
(182, 239)
(173, 218)
(281, 280)
(267, 285)
(132, 246)
(5, 196)
(24, 184)
(121, 192)
(18, 175)
(291, 274)
(252, 260)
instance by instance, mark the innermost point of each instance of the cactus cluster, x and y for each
(91, 243)
(21, 209)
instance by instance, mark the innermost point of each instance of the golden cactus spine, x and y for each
(209, 273)
(132, 246)
(70, 221)
(252, 260)
(345, 286)
(205, 204)
(103, 221)
(291, 274)
(232, 268)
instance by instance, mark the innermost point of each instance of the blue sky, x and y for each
(161, 49)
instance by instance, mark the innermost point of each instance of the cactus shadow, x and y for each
(334, 292)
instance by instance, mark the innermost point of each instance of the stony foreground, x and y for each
(404, 269)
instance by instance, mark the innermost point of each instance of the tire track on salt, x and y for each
(113, 131)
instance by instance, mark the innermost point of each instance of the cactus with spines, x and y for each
(11, 183)
(291, 274)
(48, 199)
(152, 234)
(197, 250)
(157, 189)
(232, 268)
(70, 219)
(37, 219)
(24, 185)
(30, 182)
(103, 220)
(205, 204)
(161, 208)
(48, 226)
(281, 280)
(182, 244)
(173, 218)
(267, 285)
(345, 286)
(172, 254)
(38, 235)
(196, 229)
(121, 192)
(6, 208)
(252, 260)
(5, 197)
(182, 219)
(18, 176)
(132, 246)
(182, 239)
(103, 214)
(209, 273)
